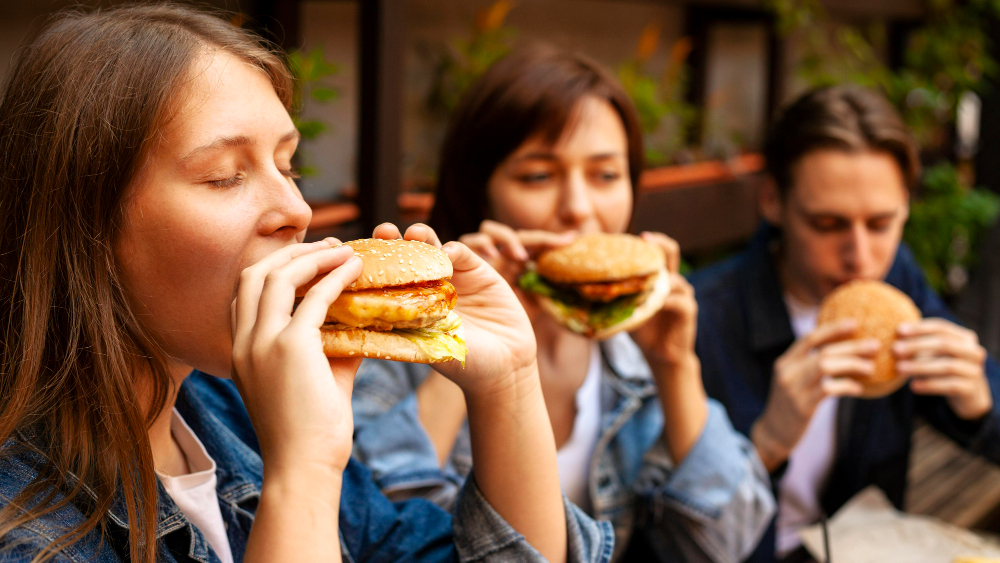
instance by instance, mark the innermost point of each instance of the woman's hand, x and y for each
(667, 338)
(508, 250)
(942, 358)
(496, 330)
(667, 342)
(299, 400)
(512, 445)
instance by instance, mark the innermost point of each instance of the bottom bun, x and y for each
(650, 304)
(353, 343)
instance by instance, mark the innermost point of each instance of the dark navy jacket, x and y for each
(743, 326)
(372, 528)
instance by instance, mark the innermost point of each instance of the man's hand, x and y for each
(816, 366)
(942, 358)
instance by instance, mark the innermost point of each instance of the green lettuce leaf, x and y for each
(440, 341)
(598, 315)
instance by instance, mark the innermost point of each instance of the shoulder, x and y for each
(19, 467)
(719, 281)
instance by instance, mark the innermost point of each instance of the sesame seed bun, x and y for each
(398, 262)
(399, 308)
(360, 343)
(600, 257)
(879, 309)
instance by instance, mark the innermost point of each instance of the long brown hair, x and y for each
(848, 118)
(77, 115)
(532, 91)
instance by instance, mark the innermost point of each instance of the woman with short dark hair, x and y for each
(546, 146)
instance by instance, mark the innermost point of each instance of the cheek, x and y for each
(180, 266)
(522, 208)
(614, 207)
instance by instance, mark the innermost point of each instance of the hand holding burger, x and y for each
(495, 328)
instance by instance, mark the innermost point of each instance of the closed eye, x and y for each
(230, 182)
(292, 173)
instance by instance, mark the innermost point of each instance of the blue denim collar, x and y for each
(628, 371)
(240, 471)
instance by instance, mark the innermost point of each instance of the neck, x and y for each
(563, 356)
(168, 458)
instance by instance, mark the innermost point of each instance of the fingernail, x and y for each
(872, 344)
(898, 347)
(905, 327)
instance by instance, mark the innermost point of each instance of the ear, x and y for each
(770, 203)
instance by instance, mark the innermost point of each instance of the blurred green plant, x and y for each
(462, 61)
(945, 57)
(946, 226)
(666, 116)
(311, 71)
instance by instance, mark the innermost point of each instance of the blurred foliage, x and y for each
(667, 118)
(311, 72)
(462, 61)
(945, 57)
(947, 224)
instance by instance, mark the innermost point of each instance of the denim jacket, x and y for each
(712, 507)
(372, 528)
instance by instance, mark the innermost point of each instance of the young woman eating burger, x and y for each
(544, 148)
(152, 246)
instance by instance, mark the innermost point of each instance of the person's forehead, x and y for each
(223, 96)
(835, 181)
(594, 127)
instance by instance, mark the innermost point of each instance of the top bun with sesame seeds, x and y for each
(389, 263)
(879, 309)
(600, 284)
(399, 308)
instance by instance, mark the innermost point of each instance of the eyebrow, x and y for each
(237, 141)
(820, 215)
(551, 156)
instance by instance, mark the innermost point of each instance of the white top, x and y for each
(811, 460)
(194, 493)
(575, 455)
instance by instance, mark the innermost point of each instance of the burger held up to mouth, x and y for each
(400, 307)
(600, 284)
(879, 309)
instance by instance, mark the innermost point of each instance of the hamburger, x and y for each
(400, 307)
(600, 284)
(879, 309)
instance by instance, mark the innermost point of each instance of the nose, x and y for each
(284, 210)
(576, 207)
(859, 249)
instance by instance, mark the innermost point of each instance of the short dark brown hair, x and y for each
(532, 91)
(848, 118)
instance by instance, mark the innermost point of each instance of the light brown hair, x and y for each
(847, 118)
(533, 91)
(80, 377)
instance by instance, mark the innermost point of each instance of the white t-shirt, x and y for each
(195, 493)
(811, 460)
(575, 455)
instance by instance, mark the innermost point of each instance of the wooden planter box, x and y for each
(704, 206)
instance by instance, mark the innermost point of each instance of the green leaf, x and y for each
(323, 94)
(311, 128)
